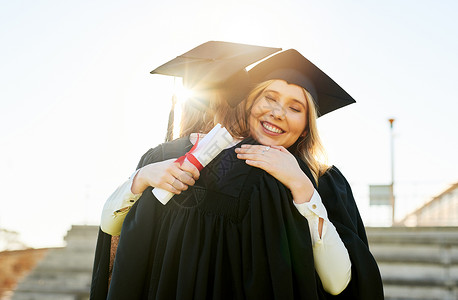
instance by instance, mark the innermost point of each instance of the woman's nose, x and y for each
(277, 111)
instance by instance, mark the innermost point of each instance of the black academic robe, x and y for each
(234, 235)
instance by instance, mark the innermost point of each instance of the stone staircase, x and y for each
(417, 262)
(64, 273)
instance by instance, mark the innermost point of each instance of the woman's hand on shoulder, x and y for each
(281, 164)
(167, 175)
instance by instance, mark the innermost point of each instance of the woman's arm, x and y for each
(332, 261)
(167, 175)
(117, 206)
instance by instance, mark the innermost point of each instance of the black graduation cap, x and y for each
(294, 68)
(217, 65)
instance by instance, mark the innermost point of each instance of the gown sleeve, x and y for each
(100, 271)
(138, 228)
(336, 194)
(332, 261)
(276, 241)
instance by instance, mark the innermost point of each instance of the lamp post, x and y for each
(392, 171)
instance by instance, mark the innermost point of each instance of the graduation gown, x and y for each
(234, 235)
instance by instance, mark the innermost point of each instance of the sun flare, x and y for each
(181, 94)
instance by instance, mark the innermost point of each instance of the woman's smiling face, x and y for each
(279, 116)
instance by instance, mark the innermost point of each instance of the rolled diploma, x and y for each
(207, 149)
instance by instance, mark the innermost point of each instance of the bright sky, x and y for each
(78, 106)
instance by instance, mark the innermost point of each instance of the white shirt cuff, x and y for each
(117, 206)
(313, 211)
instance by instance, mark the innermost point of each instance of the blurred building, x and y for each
(441, 210)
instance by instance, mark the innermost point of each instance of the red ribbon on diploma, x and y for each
(191, 158)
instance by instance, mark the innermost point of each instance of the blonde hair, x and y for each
(202, 117)
(194, 119)
(308, 147)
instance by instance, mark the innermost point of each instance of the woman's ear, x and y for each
(304, 133)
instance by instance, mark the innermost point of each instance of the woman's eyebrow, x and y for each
(271, 91)
(300, 102)
(292, 99)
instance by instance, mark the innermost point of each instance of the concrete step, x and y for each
(402, 292)
(83, 230)
(82, 238)
(408, 252)
(64, 260)
(53, 280)
(49, 296)
(419, 273)
(413, 235)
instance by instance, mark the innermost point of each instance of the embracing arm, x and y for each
(167, 175)
(117, 206)
(332, 261)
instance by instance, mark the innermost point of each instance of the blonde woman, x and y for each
(281, 113)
